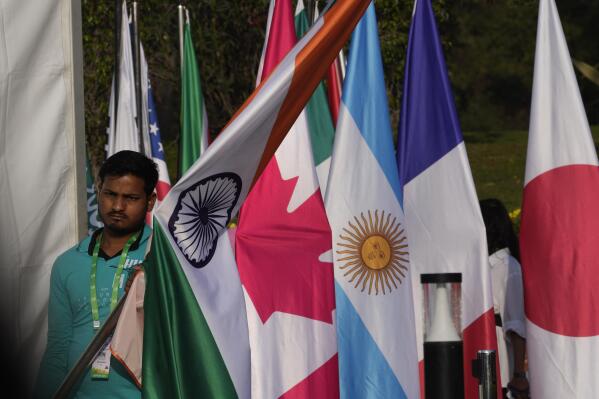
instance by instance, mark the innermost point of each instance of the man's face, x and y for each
(123, 203)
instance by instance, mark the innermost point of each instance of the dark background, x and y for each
(489, 47)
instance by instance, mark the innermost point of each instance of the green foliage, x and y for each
(394, 18)
(491, 63)
(497, 159)
(394, 28)
(580, 21)
(228, 37)
(489, 48)
(492, 58)
(98, 56)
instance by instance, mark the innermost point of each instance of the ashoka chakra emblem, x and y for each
(201, 214)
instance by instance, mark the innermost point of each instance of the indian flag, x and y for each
(195, 335)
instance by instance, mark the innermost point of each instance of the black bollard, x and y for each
(483, 368)
(443, 348)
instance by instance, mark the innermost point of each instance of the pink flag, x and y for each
(127, 342)
(559, 235)
(283, 246)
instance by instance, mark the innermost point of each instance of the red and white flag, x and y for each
(283, 252)
(559, 237)
(127, 341)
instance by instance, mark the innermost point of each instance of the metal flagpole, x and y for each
(90, 352)
(310, 9)
(118, 15)
(484, 369)
(342, 63)
(137, 68)
(180, 9)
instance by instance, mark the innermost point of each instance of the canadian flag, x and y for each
(283, 253)
(559, 235)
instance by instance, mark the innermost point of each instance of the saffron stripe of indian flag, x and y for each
(195, 335)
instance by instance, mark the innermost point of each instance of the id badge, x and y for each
(101, 364)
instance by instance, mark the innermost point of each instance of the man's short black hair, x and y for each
(131, 163)
(500, 230)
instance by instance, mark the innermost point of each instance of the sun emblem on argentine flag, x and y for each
(201, 214)
(373, 252)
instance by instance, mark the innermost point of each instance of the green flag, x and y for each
(194, 367)
(194, 122)
(322, 131)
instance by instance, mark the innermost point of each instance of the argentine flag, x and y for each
(375, 314)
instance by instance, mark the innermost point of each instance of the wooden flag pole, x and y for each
(90, 352)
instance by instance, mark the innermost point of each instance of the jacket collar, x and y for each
(88, 243)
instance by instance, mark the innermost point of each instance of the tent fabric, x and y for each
(42, 161)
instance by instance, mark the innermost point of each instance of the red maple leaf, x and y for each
(277, 252)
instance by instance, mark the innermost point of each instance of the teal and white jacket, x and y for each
(70, 327)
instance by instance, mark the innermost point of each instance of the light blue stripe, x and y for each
(363, 370)
(365, 97)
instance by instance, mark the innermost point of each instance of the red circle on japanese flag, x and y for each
(559, 240)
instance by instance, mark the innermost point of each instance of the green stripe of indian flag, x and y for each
(320, 123)
(181, 356)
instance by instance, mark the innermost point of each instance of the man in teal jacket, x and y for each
(88, 279)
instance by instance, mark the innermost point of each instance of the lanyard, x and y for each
(115, 281)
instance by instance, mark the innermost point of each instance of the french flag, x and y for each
(446, 233)
(559, 238)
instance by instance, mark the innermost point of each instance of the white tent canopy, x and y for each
(42, 160)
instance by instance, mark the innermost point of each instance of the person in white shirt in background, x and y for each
(508, 298)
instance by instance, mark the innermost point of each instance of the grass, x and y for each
(498, 160)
